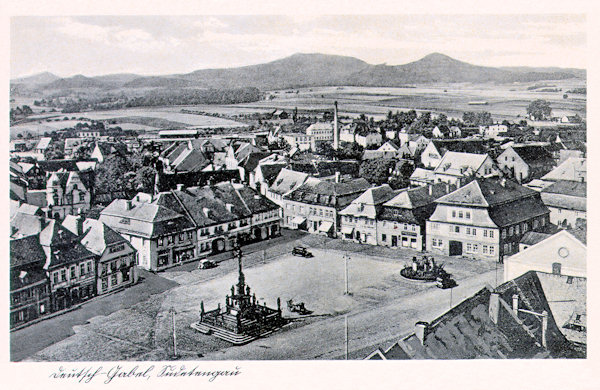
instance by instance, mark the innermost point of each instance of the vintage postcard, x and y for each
(192, 194)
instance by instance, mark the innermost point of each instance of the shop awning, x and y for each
(325, 226)
(298, 220)
(347, 230)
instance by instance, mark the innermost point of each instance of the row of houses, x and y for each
(55, 266)
(185, 224)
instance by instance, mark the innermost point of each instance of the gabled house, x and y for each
(455, 168)
(422, 177)
(102, 150)
(286, 181)
(69, 266)
(485, 219)
(358, 220)
(572, 169)
(116, 257)
(401, 221)
(29, 286)
(66, 194)
(525, 163)
(435, 149)
(559, 254)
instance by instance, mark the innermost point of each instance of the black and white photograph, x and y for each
(327, 187)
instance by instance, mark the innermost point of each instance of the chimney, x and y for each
(503, 182)
(421, 330)
(515, 304)
(494, 309)
(336, 127)
(189, 145)
(179, 187)
(129, 204)
(205, 210)
(447, 188)
(229, 207)
(430, 187)
(337, 176)
(79, 225)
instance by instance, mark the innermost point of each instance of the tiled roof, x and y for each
(566, 187)
(26, 224)
(532, 154)
(573, 168)
(57, 165)
(487, 192)
(532, 238)
(44, 143)
(191, 162)
(565, 202)
(459, 164)
(367, 202)
(271, 171)
(27, 251)
(98, 236)
(462, 146)
(287, 180)
(421, 174)
(520, 210)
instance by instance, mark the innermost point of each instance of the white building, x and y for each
(560, 253)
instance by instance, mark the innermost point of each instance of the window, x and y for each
(82, 269)
(160, 241)
(475, 247)
(491, 234)
(113, 266)
(460, 214)
(170, 239)
(511, 231)
(113, 280)
(535, 223)
(503, 233)
(383, 238)
(104, 283)
(468, 230)
(63, 274)
(104, 269)
(485, 233)
(491, 250)
(456, 229)
(468, 214)
(474, 231)
(189, 235)
(556, 268)
(436, 243)
(484, 249)
(55, 277)
(453, 214)
(181, 237)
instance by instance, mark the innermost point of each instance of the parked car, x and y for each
(301, 251)
(445, 282)
(206, 264)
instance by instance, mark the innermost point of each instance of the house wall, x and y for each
(406, 235)
(430, 157)
(69, 283)
(116, 268)
(510, 160)
(560, 216)
(29, 302)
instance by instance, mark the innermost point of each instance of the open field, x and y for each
(38, 128)
(504, 101)
(166, 113)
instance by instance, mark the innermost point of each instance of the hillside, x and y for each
(40, 78)
(309, 70)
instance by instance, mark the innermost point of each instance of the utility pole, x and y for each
(174, 333)
(346, 324)
(346, 258)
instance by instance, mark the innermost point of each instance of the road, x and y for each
(369, 329)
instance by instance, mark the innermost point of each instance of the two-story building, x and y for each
(358, 221)
(162, 237)
(116, 257)
(525, 163)
(69, 266)
(485, 218)
(286, 181)
(314, 206)
(436, 149)
(567, 202)
(29, 287)
(401, 221)
(66, 194)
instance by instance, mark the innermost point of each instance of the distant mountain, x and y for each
(158, 82)
(311, 70)
(39, 78)
(76, 82)
(298, 70)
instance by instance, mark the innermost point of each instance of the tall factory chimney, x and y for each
(336, 127)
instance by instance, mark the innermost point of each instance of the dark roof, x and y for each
(57, 165)
(567, 187)
(327, 193)
(533, 154)
(532, 238)
(64, 246)
(462, 146)
(27, 251)
(414, 205)
(193, 162)
(270, 171)
(487, 192)
(520, 210)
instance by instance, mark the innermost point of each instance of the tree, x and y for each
(376, 171)
(144, 179)
(539, 109)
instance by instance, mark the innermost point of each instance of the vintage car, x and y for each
(444, 282)
(206, 264)
(301, 251)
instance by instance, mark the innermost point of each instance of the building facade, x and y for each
(485, 219)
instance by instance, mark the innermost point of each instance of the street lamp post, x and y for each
(346, 258)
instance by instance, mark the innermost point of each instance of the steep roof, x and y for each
(98, 236)
(519, 210)
(328, 193)
(532, 238)
(486, 193)
(44, 143)
(271, 171)
(26, 224)
(287, 180)
(367, 202)
(424, 175)
(459, 164)
(26, 251)
(567, 187)
(573, 169)
(532, 154)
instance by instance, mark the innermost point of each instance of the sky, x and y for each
(156, 45)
